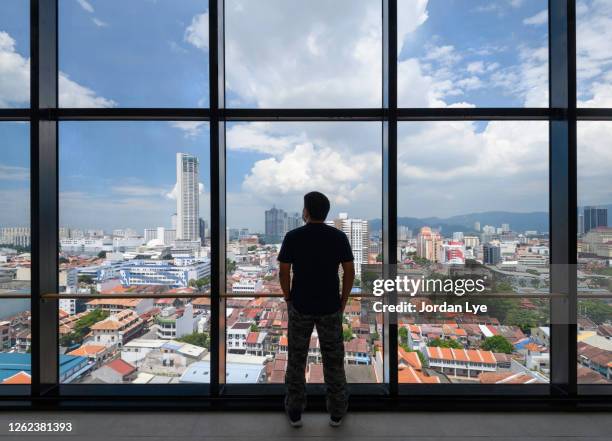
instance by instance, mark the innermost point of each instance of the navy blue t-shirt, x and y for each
(315, 252)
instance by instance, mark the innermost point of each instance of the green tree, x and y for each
(200, 339)
(403, 334)
(595, 309)
(230, 265)
(453, 344)
(254, 328)
(252, 248)
(497, 343)
(347, 333)
(523, 318)
(102, 254)
(85, 279)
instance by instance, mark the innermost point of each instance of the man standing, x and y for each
(314, 252)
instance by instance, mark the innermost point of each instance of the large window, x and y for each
(594, 253)
(466, 53)
(313, 54)
(133, 54)
(270, 166)
(15, 260)
(473, 203)
(138, 225)
(165, 147)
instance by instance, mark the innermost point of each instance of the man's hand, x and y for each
(284, 275)
(348, 277)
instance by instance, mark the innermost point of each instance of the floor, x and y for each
(271, 426)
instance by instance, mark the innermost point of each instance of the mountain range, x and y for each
(537, 220)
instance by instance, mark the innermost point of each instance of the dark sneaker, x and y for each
(295, 418)
(335, 421)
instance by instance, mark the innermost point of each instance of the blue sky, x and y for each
(291, 53)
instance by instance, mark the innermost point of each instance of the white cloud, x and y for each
(197, 32)
(538, 19)
(15, 84)
(191, 129)
(99, 23)
(137, 190)
(15, 74)
(86, 5)
(72, 94)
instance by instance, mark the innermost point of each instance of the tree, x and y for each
(102, 254)
(403, 334)
(197, 338)
(230, 265)
(453, 344)
(595, 309)
(254, 328)
(252, 248)
(497, 343)
(523, 318)
(347, 333)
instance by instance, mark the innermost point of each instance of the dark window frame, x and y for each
(44, 116)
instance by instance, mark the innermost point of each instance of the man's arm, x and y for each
(284, 275)
(348, 277)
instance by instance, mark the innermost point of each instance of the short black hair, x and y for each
(317, 205)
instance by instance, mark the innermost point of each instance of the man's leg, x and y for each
(300, 330)
(329, 328)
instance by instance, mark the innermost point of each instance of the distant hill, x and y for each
(518, 221)
(537, 220)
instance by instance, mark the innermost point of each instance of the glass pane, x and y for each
(15, 262)
(594, 252)
(466, 53)
(138, 53)
(318, 53)
(593, 52)
(14, 53)
(473, 203)
(270, 166)
(138, 226)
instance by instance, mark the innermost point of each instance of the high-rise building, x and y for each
(404, 232)
(471, 241)
(505, 228)
(458, 236)
(357, 232)
(428, 244)
(203, 228)
(476, 226)
(276, 220)
(16, 236)
(580, 224)
(187, 199)
(595, 217)
(294, 220)
(491, 254)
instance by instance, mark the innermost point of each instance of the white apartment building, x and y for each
(237, 337)
(187, 199)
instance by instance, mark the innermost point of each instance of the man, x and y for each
(314, 252)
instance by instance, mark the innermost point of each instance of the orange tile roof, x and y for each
(21, 377)
(87, 350)
(409, 358)
(410, 375)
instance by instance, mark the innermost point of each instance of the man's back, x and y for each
(315, 251)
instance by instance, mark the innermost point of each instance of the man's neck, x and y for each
(310, 221)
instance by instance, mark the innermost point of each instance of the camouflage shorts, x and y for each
(329, 330)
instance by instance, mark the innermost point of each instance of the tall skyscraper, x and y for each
(476, 226)
(357, 232)
(187, 199)
(595, 217)
(276, 220)
(428, 244)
